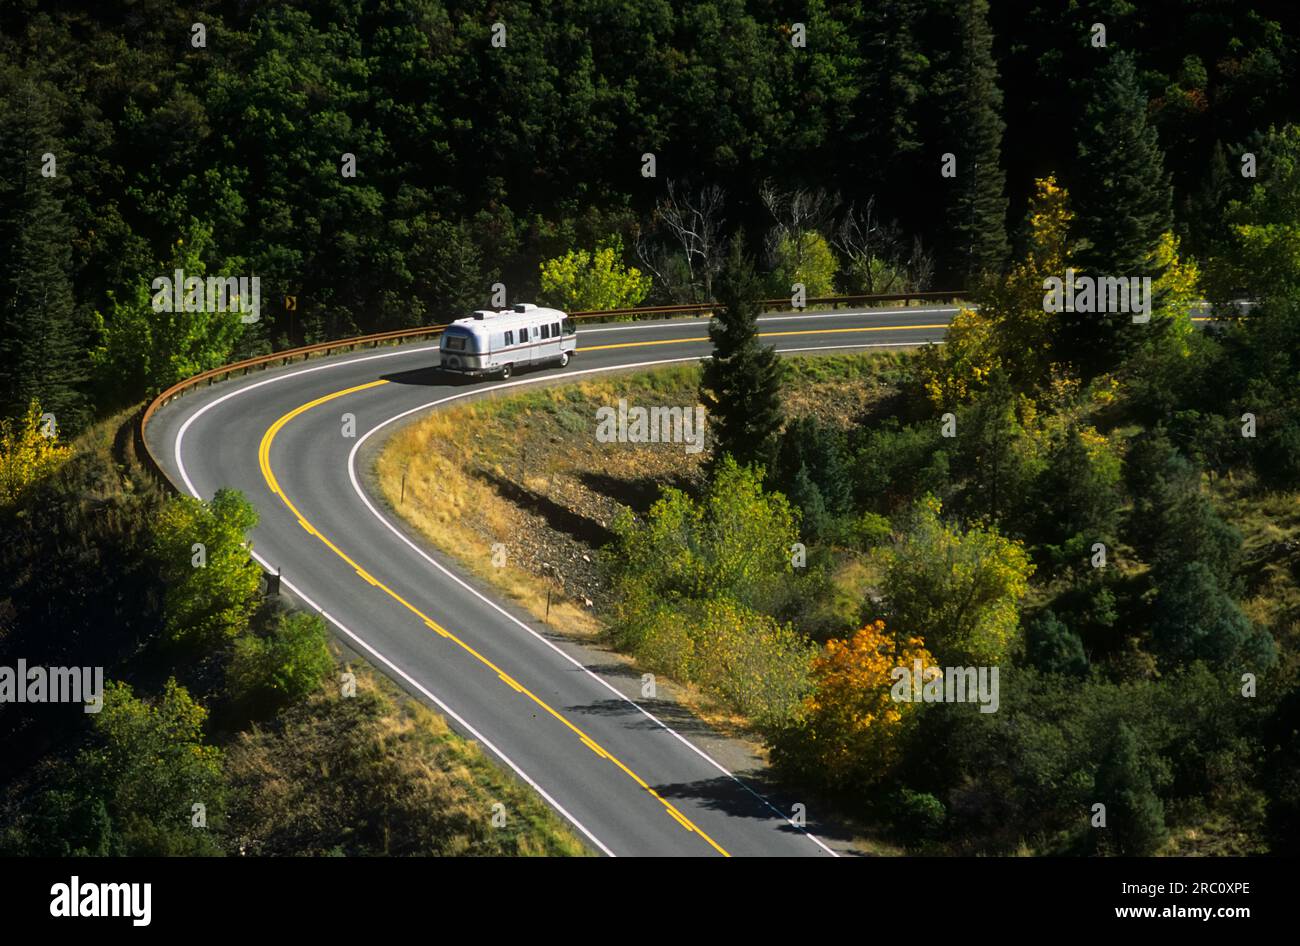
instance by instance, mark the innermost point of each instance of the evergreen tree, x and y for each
(974, 129)
(40, 348)
(1123, 202)
(1122, 193)
(1204, 208)
(741, 384)
(807, 497)
(995, 455)
(819, 451)
(1053, 647)
(1196, 620)
(1076, 497)
(1135, 816)
(1172, 522)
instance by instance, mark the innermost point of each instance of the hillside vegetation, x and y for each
(214, 695)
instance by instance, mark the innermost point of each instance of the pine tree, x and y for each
(1123, 202)
(819, 451)
(41, 353)
(1053, 647)
(974, 129)
(807, 498)
(1123, 197)
(1195, 619)
(1135, 816)
(741, 384)
(1204, 207)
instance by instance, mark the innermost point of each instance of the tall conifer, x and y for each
(41, 353)
(741, 384)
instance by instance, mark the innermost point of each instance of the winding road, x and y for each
(632, 777)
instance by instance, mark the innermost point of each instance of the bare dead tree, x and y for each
(693, 221)
(875, 252)
(795, 213)
(867, 243)
(920, 267)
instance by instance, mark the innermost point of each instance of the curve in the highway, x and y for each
(628, 782)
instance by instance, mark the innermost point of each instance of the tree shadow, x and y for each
(756, 796)
(637, 494)
(557, 517)
(668, 713)
(626, 671)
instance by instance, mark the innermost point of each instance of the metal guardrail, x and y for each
(774, 305)
(290, 355)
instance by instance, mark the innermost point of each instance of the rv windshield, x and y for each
(569, 327)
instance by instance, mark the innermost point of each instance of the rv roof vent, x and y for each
(524, 307)
(482, 314)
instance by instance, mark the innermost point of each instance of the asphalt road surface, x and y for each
(629, 782)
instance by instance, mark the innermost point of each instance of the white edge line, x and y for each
(695, 321)
(441, 705)
(491, 746)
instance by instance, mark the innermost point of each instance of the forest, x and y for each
(474, 164)
(381, 165)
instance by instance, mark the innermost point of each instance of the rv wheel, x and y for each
(505, 372)
(564, 358)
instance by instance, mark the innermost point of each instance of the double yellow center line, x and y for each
(807, 331)
(264, 461)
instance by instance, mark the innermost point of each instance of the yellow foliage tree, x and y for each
(582, 280)
(29, 452)
(961, 367)
(1178, 288)
(1011, 328)
(852, 725)
(960, 589)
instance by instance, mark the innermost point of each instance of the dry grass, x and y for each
(380, 774)
(449, 459)
(462, 515)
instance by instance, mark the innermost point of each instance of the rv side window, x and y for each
(555, 329)
(546, 331)
(510, 337)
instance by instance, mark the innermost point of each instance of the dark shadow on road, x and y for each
(627, 671)
(670, 714)
(739, 798)
(430, 377)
